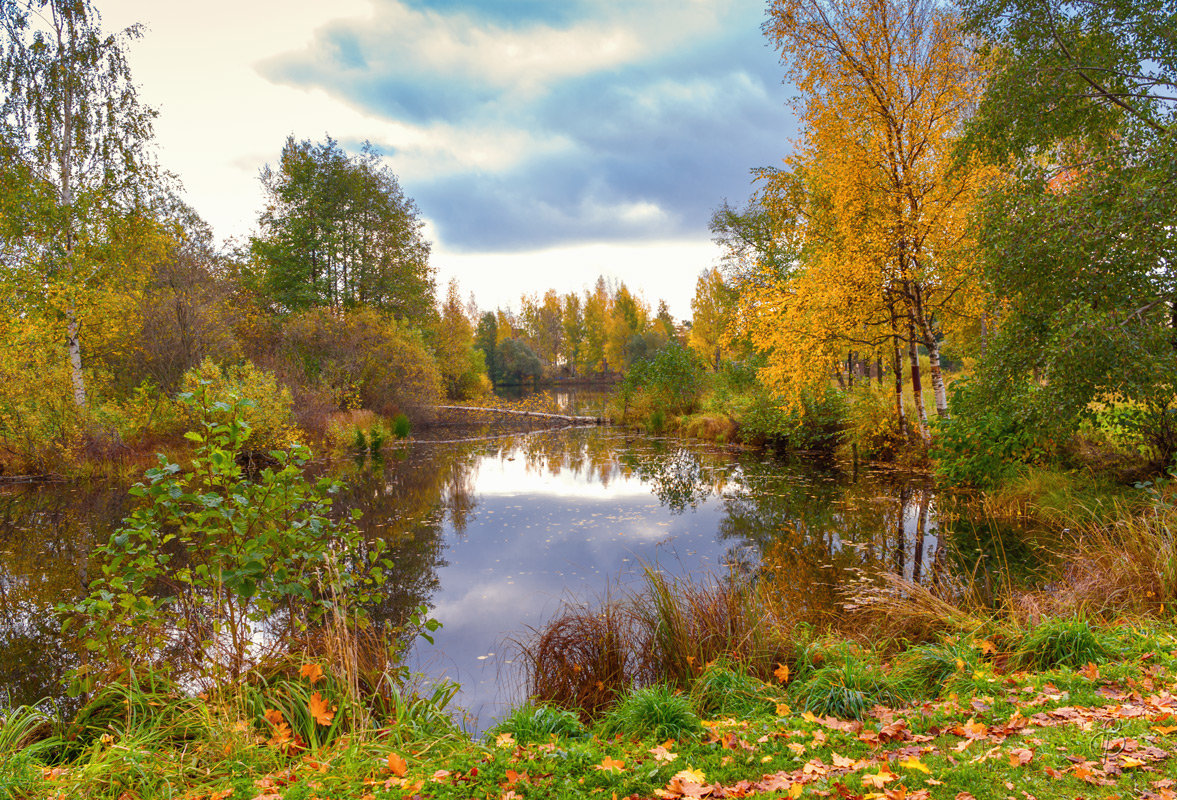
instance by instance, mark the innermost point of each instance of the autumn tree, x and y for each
(712, 311)
(74, 127)
(876, 193)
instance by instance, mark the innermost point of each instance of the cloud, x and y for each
(524, 124)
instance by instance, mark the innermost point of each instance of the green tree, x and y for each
(1078, 238)
(73, 125)
(338, 231)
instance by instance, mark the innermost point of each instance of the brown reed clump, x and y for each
(665, 633)
(1128, 566)
(891, 607)
(585, 657)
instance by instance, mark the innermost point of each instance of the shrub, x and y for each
(263, 404)
(655, 712)
(669, 381)
(984, 444)
(213, 571)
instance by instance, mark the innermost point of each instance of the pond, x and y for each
(492, 535)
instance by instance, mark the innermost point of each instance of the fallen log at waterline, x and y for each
(580, 420)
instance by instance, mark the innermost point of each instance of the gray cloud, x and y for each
(654, 124)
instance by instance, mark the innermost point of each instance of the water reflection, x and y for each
(493, 535)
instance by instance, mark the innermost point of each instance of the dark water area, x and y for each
(493, 535)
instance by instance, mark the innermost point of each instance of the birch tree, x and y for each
(72, 119)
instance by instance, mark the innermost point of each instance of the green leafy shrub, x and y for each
(670, 381)
(654, 712)
(1062, 642)
(213, 571)
(265, 412)
(529, 724)
(984, 444)
(400, 426)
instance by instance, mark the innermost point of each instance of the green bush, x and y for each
(670, 381)
(985, 444)
(263, 404)
(210, 558)
(655, 712)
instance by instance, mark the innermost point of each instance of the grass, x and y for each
(655, 713)
(847, 689)
(1058, 732)
(1061, 642)
(530, 724)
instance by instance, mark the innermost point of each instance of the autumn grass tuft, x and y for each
(1063, 642)
(653, 712)
(529, 724)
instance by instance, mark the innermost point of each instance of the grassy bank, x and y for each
(953, 717)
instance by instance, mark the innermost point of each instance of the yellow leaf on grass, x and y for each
(312, 672)
(691, 776)
(396, 765)
(504, 740)
(660, 753)
(915, 763)
(795, 790)
(781, 672)
(878, 781)
(319, 709)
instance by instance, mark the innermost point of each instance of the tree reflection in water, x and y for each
(492, 534)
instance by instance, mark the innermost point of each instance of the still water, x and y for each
(492, 535)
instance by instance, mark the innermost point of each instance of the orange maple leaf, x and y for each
(781, 672)
(274, 717)
(1020, 756)
(396, 765)
(319, 710)
(312, 672)
(610, 764)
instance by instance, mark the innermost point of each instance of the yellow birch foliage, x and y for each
(876, 195)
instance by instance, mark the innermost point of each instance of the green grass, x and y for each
(848, 689)
(147, 743)
(1061, 642)
(529, 724)
(655, 712)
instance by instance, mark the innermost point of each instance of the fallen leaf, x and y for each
(1019, 756)
(915, 763)
(319, 710)
(610, 765)
(396, 765)
(879, 780)
(504, 740)
(312, 672)
(781, 672)
(1090, 672)
(660, 753)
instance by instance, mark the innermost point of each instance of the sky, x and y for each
(545, 142)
